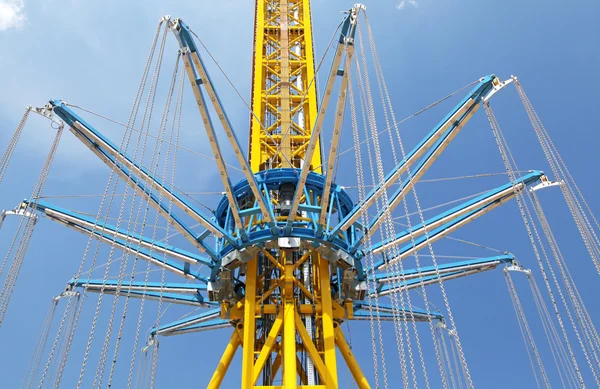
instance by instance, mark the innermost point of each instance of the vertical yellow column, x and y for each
(226, 359)
(290, 380)
(284, 74)
(327, 322)
(258, 75)
(249, 324)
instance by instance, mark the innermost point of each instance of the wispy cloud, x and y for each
(12, 14)
(404, 3)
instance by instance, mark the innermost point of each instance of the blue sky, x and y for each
(92, 53)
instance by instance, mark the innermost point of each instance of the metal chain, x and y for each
(36, 357)
(531, 230)
(387, 105)
(371, 283)
(528, 339)
(154, 166)
(130, 124)
(558, 170)
(176, 121)
(147, 117)
(556, 348)
(448, 361)
(551, 240)
(12, 144)
(374, 148)
(581, 313)
(16, 265)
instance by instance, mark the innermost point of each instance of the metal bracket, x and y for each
(69, 292)
(48, 112)
(545, 183)
(497, 86)
(20, 210)
(151, 342)
(515, 267)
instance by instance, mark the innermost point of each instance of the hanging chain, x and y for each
(12, 144)
(526, 332)
(16, 265)
(531, 230)
(371, 282)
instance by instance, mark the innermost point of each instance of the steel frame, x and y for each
(283, 264)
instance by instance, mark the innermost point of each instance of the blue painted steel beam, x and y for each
(452, 122)
(411, 274)
(452, 222)
(385, 311)
(135, 174)
(201, 327)
(203, 317)
(134, 241)
(170, 293)
(429, 275)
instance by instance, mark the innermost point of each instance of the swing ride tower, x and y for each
(291, 255)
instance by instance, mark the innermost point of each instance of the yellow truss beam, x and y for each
(284, 94)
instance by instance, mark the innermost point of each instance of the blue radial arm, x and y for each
(388, 313)
(198, 76)
(208, 320)
(435, 142)
(125, 240)
(415, 278)
(443, 224)
(187, 294)
(138, 176)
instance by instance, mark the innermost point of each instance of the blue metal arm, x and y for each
(171, 293)
(139, 178)
(198, 76)
(127, 241)
(387, 312)
(214, 315)
(436, 140)
(443, 224)
(338, 69)
(415, 278)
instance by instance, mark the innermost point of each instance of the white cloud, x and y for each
(404, 3)
(12, 14)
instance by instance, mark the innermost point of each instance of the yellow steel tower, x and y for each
(288, 337)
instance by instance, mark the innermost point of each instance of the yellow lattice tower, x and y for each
(284, 95)
(275, 329)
